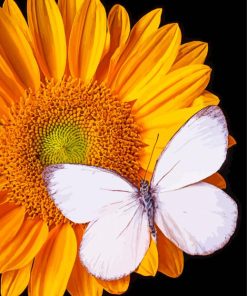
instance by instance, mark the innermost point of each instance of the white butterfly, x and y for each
(197, 217)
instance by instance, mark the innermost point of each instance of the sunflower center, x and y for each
(63, 144)
(65, 122)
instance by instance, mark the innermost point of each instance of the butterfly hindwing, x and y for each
(80, 191)
(199, 218)
(114, 245)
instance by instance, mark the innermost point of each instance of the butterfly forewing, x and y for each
(80, 191)
(196, 151)
(199, 218)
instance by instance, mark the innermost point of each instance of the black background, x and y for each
(223, 27)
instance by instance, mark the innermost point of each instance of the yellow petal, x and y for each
(119, 28)
(216, 180)
(14, 282)
(116, 287)
(11, 8)
(149, 264)
(53, 265)
(144, 28)
(24, 246)
(206, 99)
(153, 60)
(47, 29)
(177, 90)
(11, 219)
(194, 52)
(18, 53)
(166, 125)
(87, 40)
(81, 283)
(171, 259)
(231, 141)
(78, 4)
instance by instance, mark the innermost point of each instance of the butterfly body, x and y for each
(147, 196)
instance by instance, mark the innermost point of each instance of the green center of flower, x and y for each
(63, 144)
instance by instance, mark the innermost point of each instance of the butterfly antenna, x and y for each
(151, 156)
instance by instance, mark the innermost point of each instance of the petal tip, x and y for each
(204, 45)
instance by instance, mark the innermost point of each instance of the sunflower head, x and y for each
(78, 86)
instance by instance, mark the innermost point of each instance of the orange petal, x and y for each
(216, 180)
(18, 53)
(68, 9)
(144, 28)
(81, 283)
(87, 40)
(119, 28)
(11, 8)
(14, 282)
(231, 141)
(153, 61)
(11, 219)
(47, 29)
(194, 52)
(107, 44)
(166, 125)
(5, 113)
(3, 197)
(144, 174)
(116, 287)
(24, 246)
(8, 79)
(149, 264)
(53, 265)
(177, 90)
(171, 259)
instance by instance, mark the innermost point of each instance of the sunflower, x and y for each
(80, 87)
